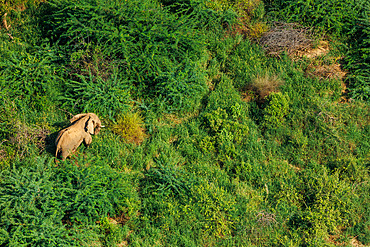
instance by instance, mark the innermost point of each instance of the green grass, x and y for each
(240, 148)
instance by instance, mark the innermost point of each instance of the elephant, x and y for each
(80, 130)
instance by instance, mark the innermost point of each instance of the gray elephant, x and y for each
(80, 130)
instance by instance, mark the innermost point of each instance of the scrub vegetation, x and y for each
(227, 122)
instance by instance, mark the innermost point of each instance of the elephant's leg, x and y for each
(65, 154)
(87, 140)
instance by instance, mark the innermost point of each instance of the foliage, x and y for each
(276, 108)
(182, 89)
(151, 48)
(107, 97)
(225, 119)
(333, 16)
(188, 198)
(7, 111)
(323, 193)
(114, 234)
(358, 58)
(44, 205)
(130, 127)
(30, 78)
(225, 132)
(18, 138)
(7, 6)
(250, 15)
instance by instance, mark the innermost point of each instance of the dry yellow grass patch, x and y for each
(262, 86)
(130, 127)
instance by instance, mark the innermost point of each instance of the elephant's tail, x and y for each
(57, 152)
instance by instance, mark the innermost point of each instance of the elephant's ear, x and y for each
(89, 126)
(77, 117)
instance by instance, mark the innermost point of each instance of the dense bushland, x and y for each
(209, 140)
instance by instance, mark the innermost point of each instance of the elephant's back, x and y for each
(69, 138)
(60, 135)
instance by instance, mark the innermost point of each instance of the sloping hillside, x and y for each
(227, 123)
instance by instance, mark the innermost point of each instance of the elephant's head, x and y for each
(92, 122)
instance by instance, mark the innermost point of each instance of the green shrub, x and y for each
(250, 16)
(275, 110)
(107, 97)
(152, 47)
(203, 13)
(183, 198)
(31, 79)
(32, 209)
(225, 115)
(168, 181)
(358, 57)
(16, 5)
(20, 134)
(327, 200)
(7, 128)
(245, 63)
(225, 131)
(42, 205)
(359, 214)
(227, 125)
(183, 89)
(334, 16)
(114, 233)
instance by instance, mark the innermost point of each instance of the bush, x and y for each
(227, 125)
(327, 200)
(16, 5)
(31, 79)
(42, 205)
(225, 132)
(113, 231)
(18, 138)
(151, 47)
(182, 89)
(250, 16)
(275, 110)
(106, 97)
(183, 198)
(358, 58)
(334, 16)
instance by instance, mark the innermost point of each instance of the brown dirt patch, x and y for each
(318, 68)
(322, 71)
(3, 154)
(353, 242)
(312, 52)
